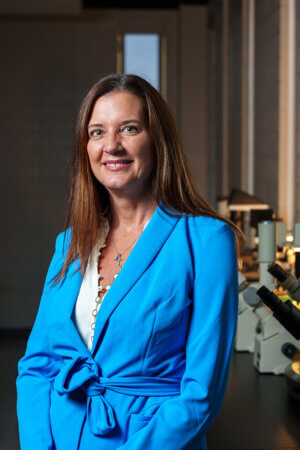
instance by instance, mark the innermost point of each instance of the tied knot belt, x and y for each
(83, 373)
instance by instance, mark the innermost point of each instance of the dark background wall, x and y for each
(267, 101)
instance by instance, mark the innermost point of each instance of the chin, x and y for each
(115, 186)
(112, 184)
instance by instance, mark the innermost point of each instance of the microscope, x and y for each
(284, 312)
(287, 280)
(269, 335)
(289, 317)
(247, 320)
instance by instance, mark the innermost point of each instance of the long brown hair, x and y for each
(172, 182)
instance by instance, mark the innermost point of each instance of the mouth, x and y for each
(117, 165)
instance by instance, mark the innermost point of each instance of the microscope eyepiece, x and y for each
(269, 299)
(278, 272)
(286, 313)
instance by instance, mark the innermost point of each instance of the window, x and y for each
(141, 56)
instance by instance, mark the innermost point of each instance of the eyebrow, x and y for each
(124, 122)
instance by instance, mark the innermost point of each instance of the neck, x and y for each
(130, 214)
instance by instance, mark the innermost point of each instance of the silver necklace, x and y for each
(98, 299)
(118, 256)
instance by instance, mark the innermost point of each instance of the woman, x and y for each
(145, 255)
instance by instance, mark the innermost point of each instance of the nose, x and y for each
(112, 142)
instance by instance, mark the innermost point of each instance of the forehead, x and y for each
(118, 106)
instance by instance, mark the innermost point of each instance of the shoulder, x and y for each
(213, 245)
(205, 229)
(211, 238)
(63, 241)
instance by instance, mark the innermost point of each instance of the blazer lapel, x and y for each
(143, 253)
(68, 294)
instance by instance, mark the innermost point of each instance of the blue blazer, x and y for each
(156, 375)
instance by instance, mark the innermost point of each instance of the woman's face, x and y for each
(120, 147)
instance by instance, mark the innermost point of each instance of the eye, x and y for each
(96, 133)
(130, 129)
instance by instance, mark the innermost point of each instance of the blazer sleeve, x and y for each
(36, 370)
(180, 422)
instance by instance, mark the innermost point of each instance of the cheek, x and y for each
(147, 153)
(93, 151)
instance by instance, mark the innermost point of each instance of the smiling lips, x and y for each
(118, 164)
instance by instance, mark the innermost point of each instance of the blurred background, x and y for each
(230, 72)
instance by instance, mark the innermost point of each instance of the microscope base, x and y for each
(268, 357)
(244, 339)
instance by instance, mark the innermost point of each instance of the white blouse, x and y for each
(86, 308)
